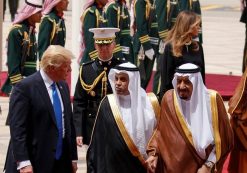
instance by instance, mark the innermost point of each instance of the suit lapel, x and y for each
(40, 85)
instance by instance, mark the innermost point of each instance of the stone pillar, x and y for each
(76, 25)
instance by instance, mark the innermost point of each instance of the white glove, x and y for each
(162, 47)
(141, 55)
(150, 54)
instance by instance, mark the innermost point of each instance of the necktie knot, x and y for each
(53, 86)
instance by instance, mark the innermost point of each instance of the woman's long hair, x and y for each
(181, 32)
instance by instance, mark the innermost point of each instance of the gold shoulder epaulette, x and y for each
(91, 10)
(14, 27)
(48, 17)
(84, 14)
(108, 5)
(115, 8)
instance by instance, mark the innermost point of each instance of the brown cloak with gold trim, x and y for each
(238, 112)
(172, 143)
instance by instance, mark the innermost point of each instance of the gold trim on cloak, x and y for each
(215, 121)
(129, 142)
(156, 106)
(155, 103)
(241, 96)
(97, 115)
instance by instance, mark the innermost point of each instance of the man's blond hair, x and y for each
(55, 56)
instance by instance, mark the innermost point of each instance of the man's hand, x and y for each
(151, 163)
(79, 141)
(74, 167)
(204, 169)
(27, 169)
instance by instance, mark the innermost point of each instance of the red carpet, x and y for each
(224, 84)
(3, 76)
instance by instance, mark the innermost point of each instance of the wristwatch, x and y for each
(209, 164)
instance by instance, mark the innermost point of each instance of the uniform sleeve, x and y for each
(142, 24)
(19, 108)
(79, 107)
(161, 11)
(112, 16)
(14, 55)
(44, 37)
(89, 22)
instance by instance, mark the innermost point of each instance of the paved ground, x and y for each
(223, 36)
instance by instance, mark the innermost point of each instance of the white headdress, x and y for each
(141, 122)
(197, 110)
(29, 8)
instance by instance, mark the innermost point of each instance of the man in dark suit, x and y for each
(42, 132)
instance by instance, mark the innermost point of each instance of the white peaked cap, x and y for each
(104, 32)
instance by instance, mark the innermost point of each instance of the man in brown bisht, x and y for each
(194, 133)
(238, 112)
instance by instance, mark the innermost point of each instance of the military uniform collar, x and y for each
(27, 25)
(56, 14)
(105, 63)
(99, 5)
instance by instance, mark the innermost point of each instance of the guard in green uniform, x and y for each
(118, 16)
(145, 38)
(22, 46)
(92, 84)
(93, 17)
(52, 29)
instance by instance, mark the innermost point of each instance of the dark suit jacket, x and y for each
(33, 124)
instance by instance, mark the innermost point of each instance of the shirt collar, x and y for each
(46, 78)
